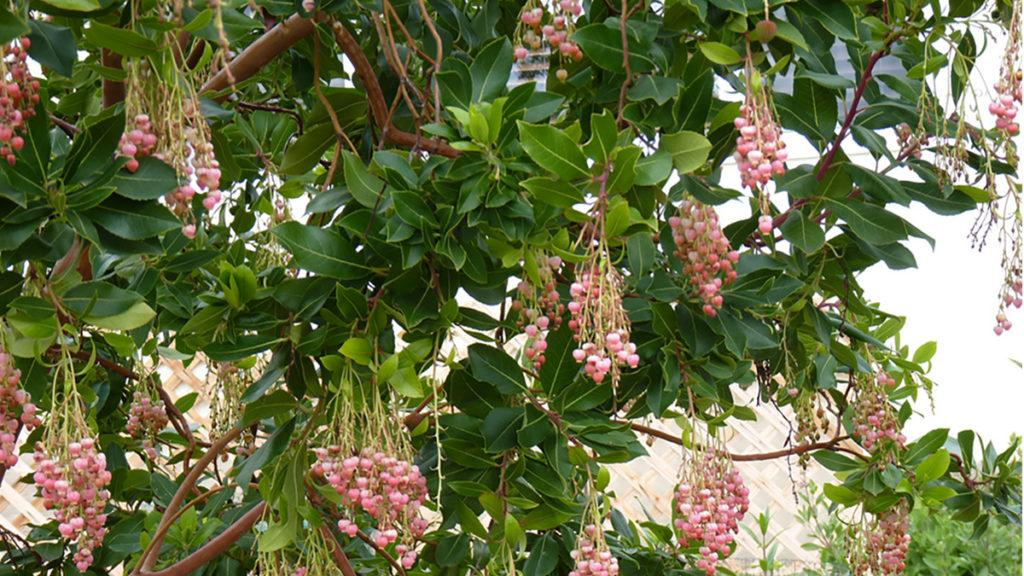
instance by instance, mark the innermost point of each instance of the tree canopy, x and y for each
(445, 261)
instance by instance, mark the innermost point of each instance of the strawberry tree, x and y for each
(441, 263)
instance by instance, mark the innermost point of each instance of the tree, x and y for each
(537, 180)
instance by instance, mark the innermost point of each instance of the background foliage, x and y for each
(359, 222)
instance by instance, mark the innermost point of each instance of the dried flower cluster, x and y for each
(708, 260)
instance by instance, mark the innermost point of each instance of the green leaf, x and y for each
(841, 495)
(924, 447)
(869, 222)
(553, 150)
(925, 352)
(689, 150)
(720, 53)
(12, 26)
(242, 347)
(107, 306)
(151, 181)
(836, 462)
(543, 556)
(558, 193)
(802, 233)
(74, 5)
(497, 368)
(654, 169)
(657, 88)
(878, 186)
(491, 69)
(932, 468)
(407, 382)
(121, 40)
(133, 220)
(835, 15)
(306, 150)
(811, 110)
(500, 427)
(321, 251)
(451, 550)
(364, 187)
(641, 253)
(276, 403)
(603, 137)
(53, 47)
(358, 350)
(603, 45)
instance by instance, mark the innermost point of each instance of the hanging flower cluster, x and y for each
(598, 320)
(538, 308)
(167, 122)
(16, 409)
(709, 503)
(875, 424)
(760, 151)
(1007, 101)
(312, 558)
(1011, 294)
(811, 422)
(146, 418)
(71, 472)
(879, 547)
(19, 94)
(707, 258)
(370, 466)
(138, 142)
(592, 556)
(390, 490)
(549, 25)
(73, 486)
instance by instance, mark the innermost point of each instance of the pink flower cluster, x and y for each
(16, 410)
(707, 258)
(74, 487)
(600, 325)
(760, 151)
(886, 545)
(145, 419)
(390, 490)
(1013, 295)
(19, 94)
(592, 556)
(138, 142)
(557, 33)
(1005, 108)
(709, 508)
(874, 422)
(540, 310)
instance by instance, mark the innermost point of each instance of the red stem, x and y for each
(853, 110)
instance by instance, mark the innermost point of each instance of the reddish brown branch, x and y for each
(377, 102)
(865, 78)
(831, 444)
(113, 91)
(260, 53)
(213, 549)
(149, 555)
(337, 553)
